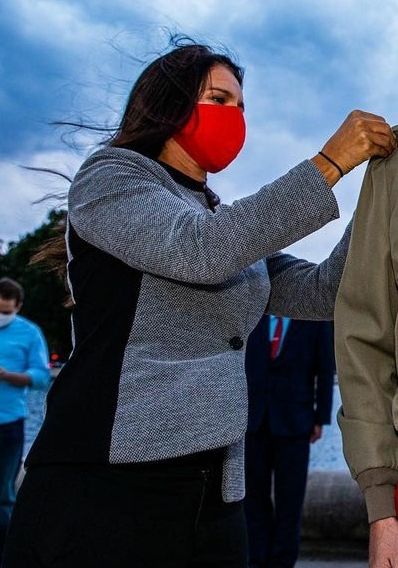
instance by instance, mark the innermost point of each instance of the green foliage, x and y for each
(45, 293)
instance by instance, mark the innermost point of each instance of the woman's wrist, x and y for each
(327, 169)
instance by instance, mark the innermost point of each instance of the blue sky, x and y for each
(308, 63)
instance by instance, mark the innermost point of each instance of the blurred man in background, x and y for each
(290, 372)
(23, 365)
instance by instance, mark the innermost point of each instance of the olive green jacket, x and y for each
(366, 340)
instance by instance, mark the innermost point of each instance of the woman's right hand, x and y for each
(361, 136)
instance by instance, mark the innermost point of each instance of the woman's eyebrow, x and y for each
(225, 91)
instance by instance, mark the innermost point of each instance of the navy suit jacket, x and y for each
(284, 391)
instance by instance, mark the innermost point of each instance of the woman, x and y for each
(140, 458)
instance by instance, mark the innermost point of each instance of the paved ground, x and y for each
(330, 563)
(328, 554)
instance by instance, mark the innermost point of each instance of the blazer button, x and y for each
(236, 343)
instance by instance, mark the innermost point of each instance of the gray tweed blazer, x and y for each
(166, 294)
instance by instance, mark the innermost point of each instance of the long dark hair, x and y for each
(160, 103)
(164, 96)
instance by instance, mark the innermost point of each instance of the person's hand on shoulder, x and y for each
(383, 544)
(361, 136)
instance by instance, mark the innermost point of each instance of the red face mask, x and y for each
(213, 136)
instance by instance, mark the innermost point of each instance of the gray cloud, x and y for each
(307, 64)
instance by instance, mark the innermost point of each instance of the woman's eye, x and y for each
(219, 100)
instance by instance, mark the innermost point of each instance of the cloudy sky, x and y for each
(308, 64)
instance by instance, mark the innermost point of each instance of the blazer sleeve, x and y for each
(118, 204)
(304, 290)
(324, 371)
(365, 337)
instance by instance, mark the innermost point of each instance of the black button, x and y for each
(236, 343)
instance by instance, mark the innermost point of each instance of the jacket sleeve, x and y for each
(324, 371)
(119, 205)
(304, 290)
(365, 339)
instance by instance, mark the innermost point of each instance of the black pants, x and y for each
(11, 447)
(164, 515)
(274, 524)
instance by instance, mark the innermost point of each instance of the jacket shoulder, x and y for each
(108, 169)
(123, 157)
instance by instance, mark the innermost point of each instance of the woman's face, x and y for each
(222, 88)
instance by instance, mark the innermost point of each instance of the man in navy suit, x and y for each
(290, 369)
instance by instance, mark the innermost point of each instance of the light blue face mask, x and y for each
(6, 319)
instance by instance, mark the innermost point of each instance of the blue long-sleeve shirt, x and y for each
(23, 349)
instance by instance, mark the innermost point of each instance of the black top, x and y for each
(212, 198)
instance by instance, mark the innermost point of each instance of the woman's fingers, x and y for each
(361, 136)
(379, 140)
(378, 127)
(367, 115)
(380, 152)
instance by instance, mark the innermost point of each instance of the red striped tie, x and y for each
(277, 338)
